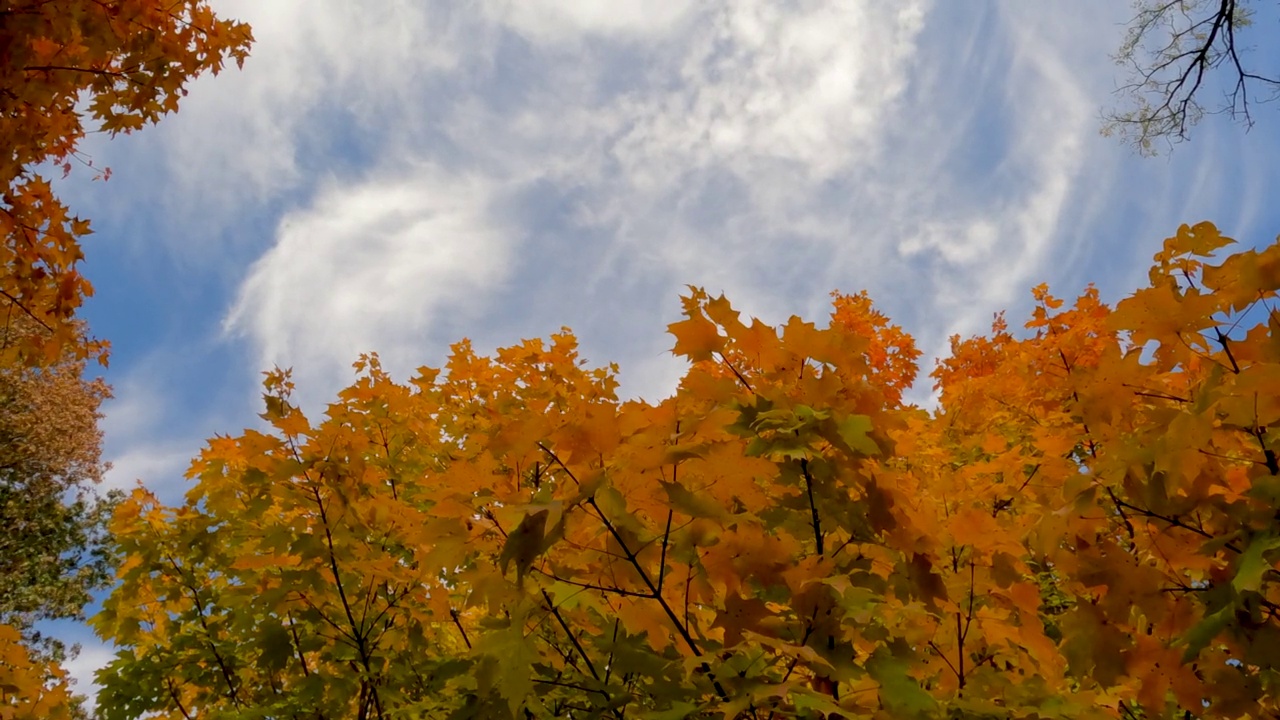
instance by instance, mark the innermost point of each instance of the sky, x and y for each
(396, 175)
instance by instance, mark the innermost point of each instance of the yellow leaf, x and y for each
(697, 338)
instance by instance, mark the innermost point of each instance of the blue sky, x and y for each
(394, 175)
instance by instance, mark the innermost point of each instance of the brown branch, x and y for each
(14, 302)
(808, 631)
(582, 653)
(1128, 526)
(736, 374)
(297, 645)
(1155, 395)
(944, 657)
(113, 74)
(666, 540)
(357, 628)
(1178, 523)
(813, 507)
(173, 693)
(648, 581)
(453, 614)
(1004, 503)
(1226, 347)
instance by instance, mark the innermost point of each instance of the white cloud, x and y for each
(713, 165)
(247, 137)
(93, 656)
(774, 98)
(743, 99)
(155, 465)
(557, 21)
(131, 425)
(985, 238)
(772, 152)
(368, 267)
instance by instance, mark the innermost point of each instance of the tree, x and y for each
(51, 554)
(1083, 528)
(1171, 51)
(123, 63)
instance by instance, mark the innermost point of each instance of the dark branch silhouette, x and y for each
(1170, 51)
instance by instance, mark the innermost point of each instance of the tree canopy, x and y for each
(68, 67)
(51, 557)
(1084, 527)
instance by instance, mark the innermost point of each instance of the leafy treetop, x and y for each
(1084, 527)
(51, 552)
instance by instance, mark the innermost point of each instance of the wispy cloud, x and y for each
(93, 656)
(155, 465)
(570, 21)
(368, 266)
(773, 152)
(701, 167)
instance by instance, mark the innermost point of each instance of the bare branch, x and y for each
(1171, 51)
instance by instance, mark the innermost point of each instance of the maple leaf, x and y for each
(696, 338)
(524, 543)
(899, 692)
(855, 431)
(739, 614)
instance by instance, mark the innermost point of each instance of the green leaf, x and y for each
(686, 451)
(525, 542)
(611, 502)
(854, 431)
(1198, 637)
(564, 595)
(808, 414)
(899, 692)
(781, 420)
(514, 660)
(277, 647)
(1253, 564)
(587, 490)
(809, 699)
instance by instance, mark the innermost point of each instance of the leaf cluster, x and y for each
(29, 688)
(117, 64)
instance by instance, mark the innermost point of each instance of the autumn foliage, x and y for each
(52, 518)
(1084, 527)
(124, 64)
(30, 689)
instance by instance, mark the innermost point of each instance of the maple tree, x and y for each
(1084, 527)
(123, 63)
